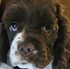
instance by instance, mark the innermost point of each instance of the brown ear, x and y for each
(62, 40)
(4, 43)
(64, 25)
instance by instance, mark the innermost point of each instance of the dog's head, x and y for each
(33, 28)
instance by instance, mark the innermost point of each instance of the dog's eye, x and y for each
(13, 27)
(46, 29)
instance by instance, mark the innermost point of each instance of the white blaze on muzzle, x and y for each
(14, 59)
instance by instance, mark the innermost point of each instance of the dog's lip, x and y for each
(24, 62)
(20, 63)
(25, 65)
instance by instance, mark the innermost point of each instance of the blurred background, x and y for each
(67, 9)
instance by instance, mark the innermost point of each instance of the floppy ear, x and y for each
(62, 40)
(63, 24)
(4, 42)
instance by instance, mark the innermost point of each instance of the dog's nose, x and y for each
(25, 50)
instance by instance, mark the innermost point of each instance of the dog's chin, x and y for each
(25, 65)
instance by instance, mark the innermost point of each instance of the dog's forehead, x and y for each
(38, 17)
(24, 12)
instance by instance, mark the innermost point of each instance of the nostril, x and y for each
(25, 50)
(29, 50)
(21, 48)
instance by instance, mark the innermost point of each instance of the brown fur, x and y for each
(35, 14)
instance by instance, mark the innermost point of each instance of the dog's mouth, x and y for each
(24, 65)
(18, 65)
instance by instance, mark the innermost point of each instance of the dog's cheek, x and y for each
(11, 36)
(14, 54)
(50, 40)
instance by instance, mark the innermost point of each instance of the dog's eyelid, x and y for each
(47, 26)
(46, 29)
(13, 22)
(13, 27)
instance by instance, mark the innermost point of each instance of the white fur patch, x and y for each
(14, 59)
(30, 66)
(4, 66)
(27, 65)
(35, 52)
(49, 66)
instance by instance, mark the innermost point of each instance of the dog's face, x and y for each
(32, 30)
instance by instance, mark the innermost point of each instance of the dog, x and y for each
(34, 34)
